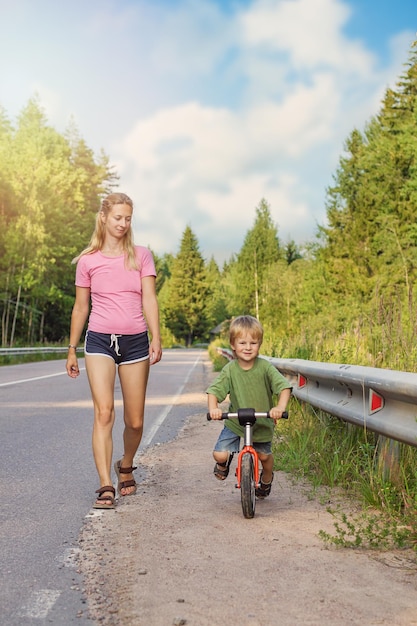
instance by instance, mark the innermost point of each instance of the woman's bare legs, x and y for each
(133, 381)
(101, 372)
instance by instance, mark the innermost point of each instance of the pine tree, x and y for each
(260, 250)
(185, 310)
(216, 304)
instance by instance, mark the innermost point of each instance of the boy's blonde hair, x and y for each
(246, 324)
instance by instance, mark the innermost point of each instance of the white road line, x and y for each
(28, 380)
(40, 603)
(160, 419)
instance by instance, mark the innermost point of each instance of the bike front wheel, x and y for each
(247, 486)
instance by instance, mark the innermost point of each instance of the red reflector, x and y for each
(302, 380)
(376, 402)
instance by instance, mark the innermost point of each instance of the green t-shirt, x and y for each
(252, 389)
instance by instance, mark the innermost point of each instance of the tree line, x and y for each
(347, 295)
(50, 186)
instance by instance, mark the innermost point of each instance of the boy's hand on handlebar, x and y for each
(216, 414)
(276, 413)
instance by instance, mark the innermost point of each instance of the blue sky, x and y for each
(207, 106)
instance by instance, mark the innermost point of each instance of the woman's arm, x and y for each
(79, 316)
(151, 312)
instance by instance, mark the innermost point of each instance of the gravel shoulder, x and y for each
(181, 552)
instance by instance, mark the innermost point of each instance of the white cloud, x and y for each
(204, 111)
(210, 167)
(309, 32)
(243, 195)
(303, 118)
(303, 88)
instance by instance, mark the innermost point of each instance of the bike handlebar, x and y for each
(242, 413)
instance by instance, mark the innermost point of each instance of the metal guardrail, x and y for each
(383, 401)
(39, 350)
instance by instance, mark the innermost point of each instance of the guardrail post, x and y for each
(388, 458)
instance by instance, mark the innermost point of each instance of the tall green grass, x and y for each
(331, 454)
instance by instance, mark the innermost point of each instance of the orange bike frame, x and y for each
(247, 450)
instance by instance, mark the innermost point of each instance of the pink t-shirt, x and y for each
(116, 292)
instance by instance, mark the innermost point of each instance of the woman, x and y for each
(119, 278)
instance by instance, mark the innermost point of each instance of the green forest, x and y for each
(346, 296)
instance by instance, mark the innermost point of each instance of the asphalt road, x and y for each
(48, 478)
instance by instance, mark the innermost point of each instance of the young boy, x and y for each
(250, 382)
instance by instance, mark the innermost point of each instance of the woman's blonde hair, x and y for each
(98, 236)
(246, 324)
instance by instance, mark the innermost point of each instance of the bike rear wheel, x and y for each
(247, 486)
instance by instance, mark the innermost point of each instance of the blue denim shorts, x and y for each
(121, 348)
(228, 441)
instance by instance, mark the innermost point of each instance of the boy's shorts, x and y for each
(121, 348)
(228, 441)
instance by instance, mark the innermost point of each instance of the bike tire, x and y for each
(247, 486)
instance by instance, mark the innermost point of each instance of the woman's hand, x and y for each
(155, 352)
(72, 365)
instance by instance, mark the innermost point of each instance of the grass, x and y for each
(368, 530)
(217, 359)
(31, 358)
(334, 455)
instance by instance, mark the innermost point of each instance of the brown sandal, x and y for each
(221, 470)
(101, 501)
(125, 483)
(264, 489)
